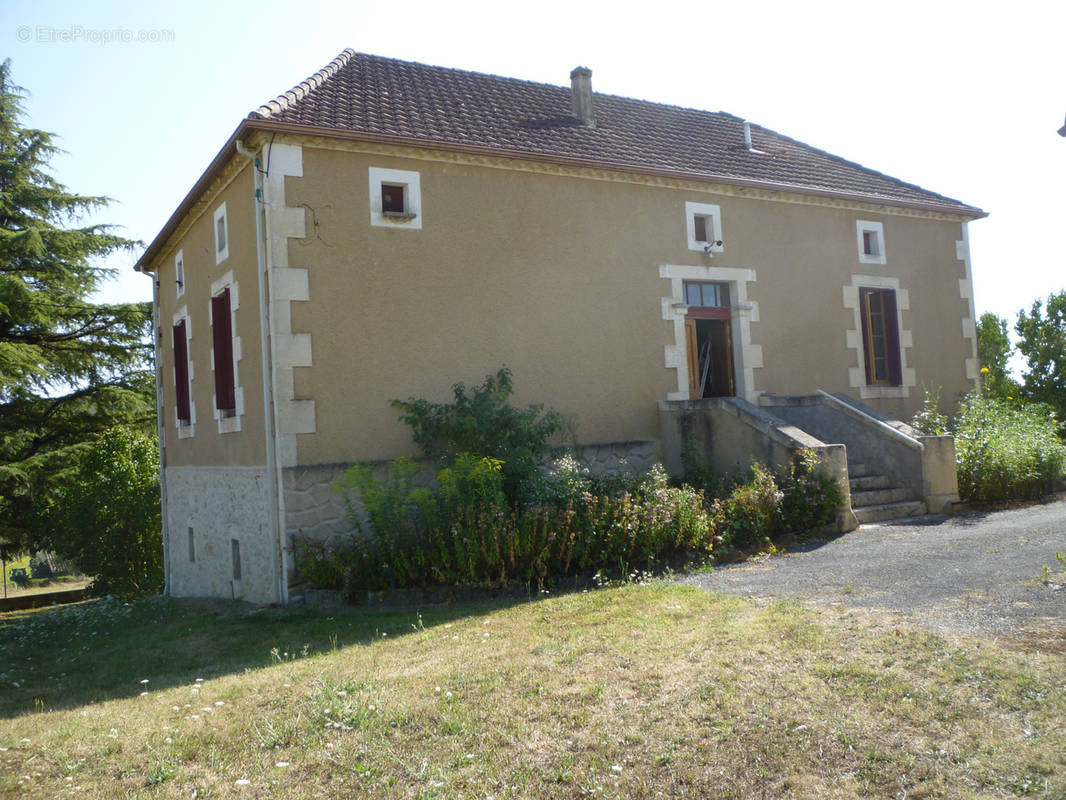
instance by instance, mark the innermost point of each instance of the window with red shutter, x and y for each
(880, 334)
(181, 373)
(222, 341)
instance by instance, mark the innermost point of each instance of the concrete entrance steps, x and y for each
(874, 498)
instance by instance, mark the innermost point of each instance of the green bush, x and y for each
(106, 520)
(483, 422)
(464, 532)
(749, 514)
(750, 507)
(810, 498)
(1005, 451)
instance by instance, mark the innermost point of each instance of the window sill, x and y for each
(885, 392)
(398, 216)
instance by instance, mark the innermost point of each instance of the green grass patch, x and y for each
(634, 691)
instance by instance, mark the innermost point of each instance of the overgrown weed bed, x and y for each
(637, 691)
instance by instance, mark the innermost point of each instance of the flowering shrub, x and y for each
(464, 531)
(747, 516)
(1007, 452)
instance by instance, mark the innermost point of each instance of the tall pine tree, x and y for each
(69, 368)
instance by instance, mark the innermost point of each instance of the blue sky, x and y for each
(963, 98)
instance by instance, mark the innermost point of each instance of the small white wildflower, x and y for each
(143, 694)
(341, 693)
(616, 768)
(199, 680)
(175, 708)
(436, 689)
(242, 782)
(168, 740)
(448, 695)
(144, 680)
(220, 702)
(194, 716)
(371, 706)
(282, 764)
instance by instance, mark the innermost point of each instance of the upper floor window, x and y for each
(184, 405)
(221, 234)
(179, 272)
(226, 354)
(703, 224)
(870, 237)
(395, 198)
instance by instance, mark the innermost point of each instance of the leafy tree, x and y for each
(1042, 340)
(994, 350)
(69, 368)
(105, 519)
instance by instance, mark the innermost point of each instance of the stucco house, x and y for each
(385, 229)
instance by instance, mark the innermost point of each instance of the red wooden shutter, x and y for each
(181, 372)
(222, 341)
(895, 368)
(864, 314)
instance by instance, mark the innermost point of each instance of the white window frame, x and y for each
(412, 185)
(221, 253)
(186, 430)
(179, 272)
(228, 424)
(712, 215)
(862, 227)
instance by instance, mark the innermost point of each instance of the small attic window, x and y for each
(392, 199)
(395, 198)
(870, 237)
(179, 272)
(700, 223)
(703, 224)
(221, 234)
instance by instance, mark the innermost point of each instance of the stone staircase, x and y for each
(874, 498)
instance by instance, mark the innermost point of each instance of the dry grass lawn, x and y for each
(631, 692)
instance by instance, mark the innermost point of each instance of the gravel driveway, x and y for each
(978, 572)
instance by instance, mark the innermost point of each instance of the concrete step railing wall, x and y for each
(730, 432)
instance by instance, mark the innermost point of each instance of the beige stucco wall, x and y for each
(207, 446)
(558, 277)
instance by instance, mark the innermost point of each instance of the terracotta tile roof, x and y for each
(383, 97)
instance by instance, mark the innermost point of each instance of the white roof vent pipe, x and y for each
(747, 139)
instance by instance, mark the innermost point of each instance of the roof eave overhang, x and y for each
(271, 126)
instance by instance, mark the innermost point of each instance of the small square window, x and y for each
(869, 243)
(395, 199)
(870, 237)
(221, 234)
(701, 227)
(703, 223)
(392, 199)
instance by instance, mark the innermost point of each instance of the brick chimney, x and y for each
(581, 95)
